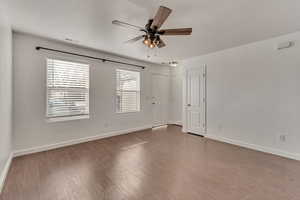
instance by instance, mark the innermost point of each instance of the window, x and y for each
(128, 91)
(67, 89)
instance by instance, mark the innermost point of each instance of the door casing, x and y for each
(161, 102)
(202, 128)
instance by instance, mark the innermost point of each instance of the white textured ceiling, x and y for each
(217, 24)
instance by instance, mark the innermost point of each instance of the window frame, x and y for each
(67, 117)
(116, 91)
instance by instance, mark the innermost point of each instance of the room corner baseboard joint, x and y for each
(4, 173)
(178, 123)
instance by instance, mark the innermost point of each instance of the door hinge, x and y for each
(204, 74)
(204, 100)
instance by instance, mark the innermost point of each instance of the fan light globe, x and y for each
(151, 45)
(146, 41)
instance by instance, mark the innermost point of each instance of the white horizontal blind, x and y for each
(128, 91)
(67, 88)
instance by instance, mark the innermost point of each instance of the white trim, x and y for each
(160, 126)
(179, 123)
(255, 147)
(203, 69)
(67, 118)
(4, 173)
(165, 121)
(161, 74)
(77, 141)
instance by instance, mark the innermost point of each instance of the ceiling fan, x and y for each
(152, 32)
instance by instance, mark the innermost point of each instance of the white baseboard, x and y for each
(77, 141)
(179, 123)
(255, 147)
(4, 173)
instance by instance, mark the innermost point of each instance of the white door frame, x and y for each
(184, 96)
(168, 96)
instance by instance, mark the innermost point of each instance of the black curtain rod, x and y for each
(91, 57)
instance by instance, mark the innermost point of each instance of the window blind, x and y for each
(67, 88)
(128, 91)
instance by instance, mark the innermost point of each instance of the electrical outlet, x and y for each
(220, 127)
(106, 125)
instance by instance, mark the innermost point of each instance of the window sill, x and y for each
(71, 118)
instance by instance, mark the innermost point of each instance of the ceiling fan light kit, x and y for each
(152, 31)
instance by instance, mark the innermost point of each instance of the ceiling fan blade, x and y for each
(160, 17)
(126, 25)
(135, 39)
(177, 31)
(161, 44)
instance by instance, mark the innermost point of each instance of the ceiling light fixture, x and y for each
(150, 41)
(71, 40)
(152, 31)
(147, 40)
(171, 63)
(152, 45)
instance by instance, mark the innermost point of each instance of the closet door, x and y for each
(196, 101)
(160, 99)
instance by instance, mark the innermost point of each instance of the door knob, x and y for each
(153, 103)
(189, 105)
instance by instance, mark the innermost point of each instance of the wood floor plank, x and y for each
(158, 164)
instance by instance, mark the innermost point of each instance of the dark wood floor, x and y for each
(161, 164)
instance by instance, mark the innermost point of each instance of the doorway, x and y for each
(195, 101)
(160, 99)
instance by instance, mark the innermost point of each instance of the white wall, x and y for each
(5, 93)
(30, 126)
(253, 95)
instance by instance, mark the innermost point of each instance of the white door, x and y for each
(196, 101)
(160, 99)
